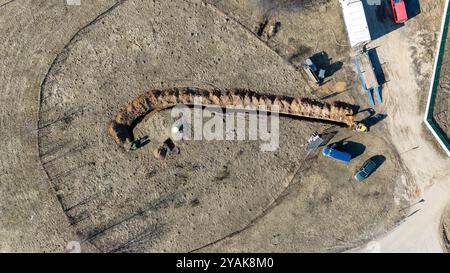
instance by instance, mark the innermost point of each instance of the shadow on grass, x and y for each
(379, 160)
(373, 120)
(355, 149)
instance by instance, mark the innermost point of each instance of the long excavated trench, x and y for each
(121, 128)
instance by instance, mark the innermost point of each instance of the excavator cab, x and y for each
(360, 127)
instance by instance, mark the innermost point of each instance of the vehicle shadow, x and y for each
(379, 74)
(373, 55)
(373, 120)
(323, 61)
(371, 112)
(379, 160)
(379, 18)
(353, 148)
(412, 8)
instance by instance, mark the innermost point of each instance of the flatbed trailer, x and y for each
(367, 76)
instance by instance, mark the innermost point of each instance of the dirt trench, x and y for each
(121, 128)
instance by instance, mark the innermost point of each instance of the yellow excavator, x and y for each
(360, 127)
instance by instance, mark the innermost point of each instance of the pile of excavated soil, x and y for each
(120, 129)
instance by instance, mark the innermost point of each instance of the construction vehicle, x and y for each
(360, 127)
(314, 142)
(399, 13)
(332, 152)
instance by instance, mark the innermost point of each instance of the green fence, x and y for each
(443, 138)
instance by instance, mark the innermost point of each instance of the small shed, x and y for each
(355, 22)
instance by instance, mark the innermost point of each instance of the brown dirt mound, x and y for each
(120, 129)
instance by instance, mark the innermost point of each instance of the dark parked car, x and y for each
(367, 169)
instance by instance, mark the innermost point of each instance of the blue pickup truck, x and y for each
(330, 151)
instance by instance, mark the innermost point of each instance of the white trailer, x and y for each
(355, 22)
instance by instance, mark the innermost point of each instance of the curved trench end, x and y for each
(120, 133)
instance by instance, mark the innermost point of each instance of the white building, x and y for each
(355, 22)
